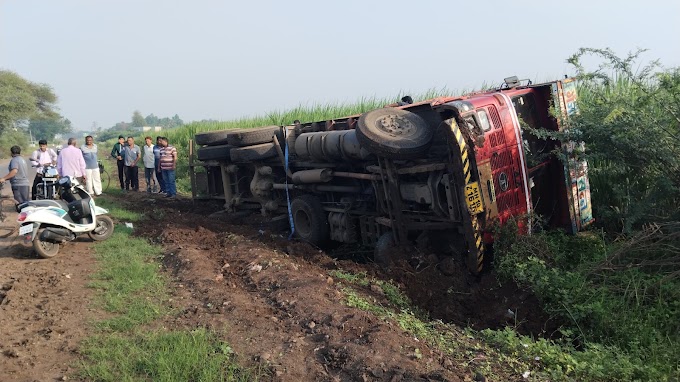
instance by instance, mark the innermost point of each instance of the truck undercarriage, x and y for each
(431, 173)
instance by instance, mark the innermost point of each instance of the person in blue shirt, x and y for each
(17, 176)
(118, 153)
(157, 155)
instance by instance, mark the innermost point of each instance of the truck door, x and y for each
(502, 151)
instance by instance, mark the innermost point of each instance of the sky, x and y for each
(222, 60)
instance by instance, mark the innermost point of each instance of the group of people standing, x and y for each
(159, 160)
(71, 161)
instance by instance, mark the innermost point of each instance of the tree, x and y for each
(21, 100)
(176, 121)
(137, 119)
(47, 128)
(151, 120)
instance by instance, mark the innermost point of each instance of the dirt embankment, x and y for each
(278, 306)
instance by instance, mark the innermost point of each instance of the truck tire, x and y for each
(394, 133)
(220, 152)
(384, 249)
(213, 138)
(252, 153)
(247, 137)
(310, 220)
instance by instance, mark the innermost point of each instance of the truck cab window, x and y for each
(483, 120)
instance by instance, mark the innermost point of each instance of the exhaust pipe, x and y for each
(57, 235)
(321, 175)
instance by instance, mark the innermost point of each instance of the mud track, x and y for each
(44, 309)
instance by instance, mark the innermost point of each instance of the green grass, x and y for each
(498, 354)
(128, 280)
(179, 356)
(117, 212)
(133, 292)
(391, 291)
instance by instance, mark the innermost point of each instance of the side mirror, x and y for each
(65, 181)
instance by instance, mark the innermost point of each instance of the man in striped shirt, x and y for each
(168, 165)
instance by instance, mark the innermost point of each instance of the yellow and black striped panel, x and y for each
(476, 229)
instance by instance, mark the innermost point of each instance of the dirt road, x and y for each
(43, 307)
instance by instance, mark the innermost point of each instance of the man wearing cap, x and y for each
(119, 153)
(40, 158)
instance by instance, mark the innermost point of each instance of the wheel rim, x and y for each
(47, 246)
(102, 228)
(395, 125)
(303, 223)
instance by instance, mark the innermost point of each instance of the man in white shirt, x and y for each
(41, 157)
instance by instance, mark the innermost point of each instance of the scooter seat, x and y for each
(45, 203)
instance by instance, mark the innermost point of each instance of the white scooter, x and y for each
(50, 223)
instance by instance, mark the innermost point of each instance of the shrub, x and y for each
(630, 121)
(623, 296)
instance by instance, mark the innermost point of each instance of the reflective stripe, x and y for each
(479, 244)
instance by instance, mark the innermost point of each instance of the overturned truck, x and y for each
(439, 173)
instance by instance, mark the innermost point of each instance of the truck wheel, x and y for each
(214, 152)
(384, 249)
(311, 222)
(394, 133)
(44, 249)
(213, 138)
(253, 153)
(247, 137)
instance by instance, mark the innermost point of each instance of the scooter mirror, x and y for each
(65, 181)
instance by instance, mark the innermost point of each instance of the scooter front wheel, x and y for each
(103, 230)
(44, 249)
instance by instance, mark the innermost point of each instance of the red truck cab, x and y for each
(518, 170)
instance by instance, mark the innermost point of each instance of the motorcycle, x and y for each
(47, 189)
(50, 223)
